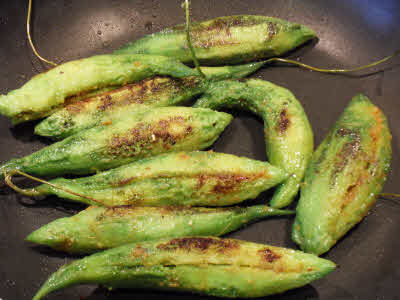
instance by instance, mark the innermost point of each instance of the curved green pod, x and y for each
(98, 228)
(203, 265)
(288, 134)
(145, 133)
(48, 91)
(152, 92)
(179, 178)
(344, 178)
(225, 40)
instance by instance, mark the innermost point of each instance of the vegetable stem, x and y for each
(33, 192)
(196, 62)
(334, 71)
(28, 32)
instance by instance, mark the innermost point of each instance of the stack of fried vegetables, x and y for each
(155, 200)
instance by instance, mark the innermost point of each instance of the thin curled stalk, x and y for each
(28, 32)
(33, 192)
(196, 62)
(332, 71)
(389, 195)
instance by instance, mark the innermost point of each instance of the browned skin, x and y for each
(272, 30)
(199, 243)
(145, 135)
(200, 33)
(137, 93)
(348, 152)
(353, 149)
(226, 182)
(284, 121)
(268, 255)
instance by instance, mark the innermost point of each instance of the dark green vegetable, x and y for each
(231, 39)
(178, 178)
(204, 265)
(344, 178)
(153, 92)
(98, 228)
(288, 134)
(48, 91)
(146, 133)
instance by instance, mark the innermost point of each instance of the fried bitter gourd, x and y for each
(145, 133)
(98, 228)
(204, 265)
(344, 178)
(288, 134)
(48, 91)
(179, 178)
(151, 92)
(225, 40)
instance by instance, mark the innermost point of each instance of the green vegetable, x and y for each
(98, 228)
(203, 265)
(179, 178)
(288, 134)
(143, 134)
(344, 178)
(154, 92)
(48, 91)
(231, 39)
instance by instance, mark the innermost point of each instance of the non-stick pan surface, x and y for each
(351, 32)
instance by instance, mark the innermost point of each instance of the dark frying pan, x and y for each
(352, 32)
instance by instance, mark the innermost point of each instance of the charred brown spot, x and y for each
(76, 104)
(199, 243)
(144, 136)
(351, 193)
(272, 30)
(106, 103)
(283, 122)
(268, 255)
(107, 123)
(344, 132)
(226, 183)
(348, 152)
(126, 181)
(139, 251)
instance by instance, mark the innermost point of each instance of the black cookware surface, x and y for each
(351, 32)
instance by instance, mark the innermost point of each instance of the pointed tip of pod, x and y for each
(308, 32)
(66, 276)
(223, 119)
(324, 268)
(360, 98)
(40, 236)
(52, 235)
(42, 128)
(291, 37)
(49, 127)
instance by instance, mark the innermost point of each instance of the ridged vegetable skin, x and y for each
(344, 178)
(204, 265)
(146, 133)
(288, 134)
(158, 91)
(224, 40)
(98, 228)
(48, 91)
(177, 178)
